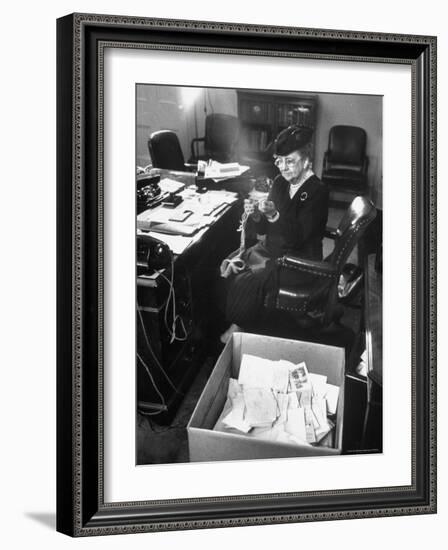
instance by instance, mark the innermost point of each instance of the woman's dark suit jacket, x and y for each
(299, 229)
(301, 226)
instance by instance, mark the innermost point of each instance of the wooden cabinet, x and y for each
(263, 115)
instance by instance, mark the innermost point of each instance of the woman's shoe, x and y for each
(225, 336)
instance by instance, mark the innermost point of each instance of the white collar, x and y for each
(304, 178)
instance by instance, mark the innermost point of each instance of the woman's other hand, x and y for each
(251, 209)
(268, 208)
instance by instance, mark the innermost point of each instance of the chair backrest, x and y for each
(355, 221)
(347, 144)
(221, 136)
(165, 151)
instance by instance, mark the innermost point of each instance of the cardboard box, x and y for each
(205, 444)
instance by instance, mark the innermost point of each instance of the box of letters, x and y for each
(270, 398)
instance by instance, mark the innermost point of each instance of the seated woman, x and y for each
(292, 219)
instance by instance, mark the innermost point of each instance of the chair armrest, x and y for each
(332, 232)
(193, 142)
(321, 269)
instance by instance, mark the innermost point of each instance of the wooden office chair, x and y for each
(165, 151)
(308, 290)
(345, 161)
(220, 141)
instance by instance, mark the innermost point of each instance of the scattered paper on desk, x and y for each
(175, 228)
(157, 215)
(229, 197)
(216, 169)
(164, 216)
(205, 210)
(171, 186)
(220, 171)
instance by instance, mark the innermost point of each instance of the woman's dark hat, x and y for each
(292, 139)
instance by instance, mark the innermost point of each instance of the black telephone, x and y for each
(152, 254)
(149, 193)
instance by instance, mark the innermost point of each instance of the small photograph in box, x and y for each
(269, 398)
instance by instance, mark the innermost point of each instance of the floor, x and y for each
(158, 444)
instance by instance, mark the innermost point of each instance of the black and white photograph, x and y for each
(221, 293)
(258, 273)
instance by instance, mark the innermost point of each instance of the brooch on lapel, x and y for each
(303, 196)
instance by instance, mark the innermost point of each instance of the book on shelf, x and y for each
(257, 139)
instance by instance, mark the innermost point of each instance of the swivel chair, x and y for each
(308, 290)
(220, 140)
(345, 162)
(165, 151)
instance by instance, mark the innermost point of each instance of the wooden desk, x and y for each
(189, 221)
(166, 367)
(241, 184)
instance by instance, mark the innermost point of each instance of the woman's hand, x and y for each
(267, 208)
(251, 209)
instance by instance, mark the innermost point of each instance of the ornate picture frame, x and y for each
(81, 506)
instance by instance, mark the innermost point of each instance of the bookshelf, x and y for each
(263, 115)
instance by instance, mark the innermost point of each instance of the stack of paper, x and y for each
(171, 186)
(218, 171)
(279, 401)
(260, 407)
